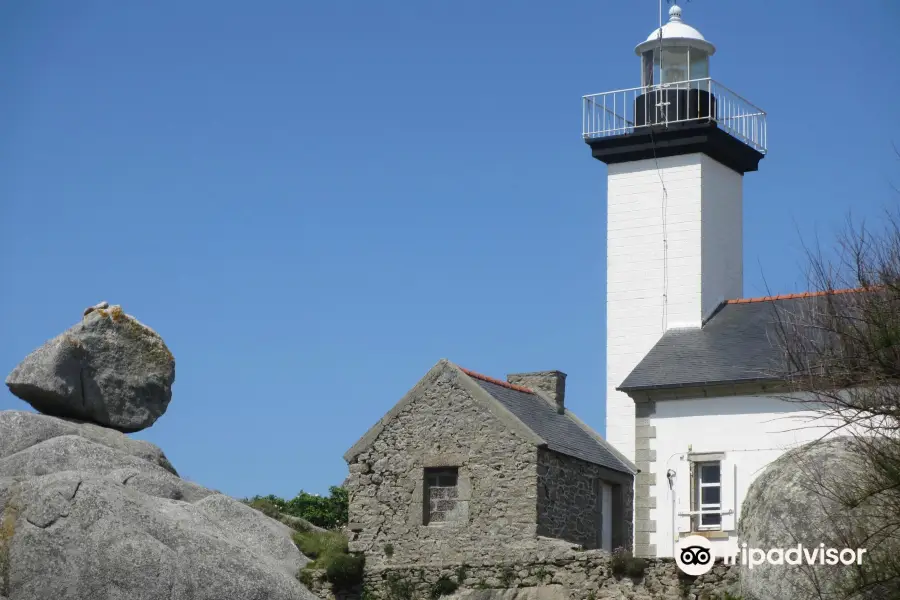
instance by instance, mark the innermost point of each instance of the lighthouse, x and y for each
(677, 149)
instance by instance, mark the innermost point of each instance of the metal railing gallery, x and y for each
(625, 111)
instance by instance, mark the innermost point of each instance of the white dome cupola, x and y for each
(678, 49)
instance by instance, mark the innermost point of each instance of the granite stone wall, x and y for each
(645, 459)
(443, 426)
(575, 575)
(568, 501)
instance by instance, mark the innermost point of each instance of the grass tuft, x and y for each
(7, 532)
(623, 563)
(320, 547)
(328, 550)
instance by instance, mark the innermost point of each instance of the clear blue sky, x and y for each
(313, 202)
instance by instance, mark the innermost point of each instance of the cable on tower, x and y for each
(665, 192)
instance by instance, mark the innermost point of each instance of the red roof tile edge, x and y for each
(475, 375)
(793, 296)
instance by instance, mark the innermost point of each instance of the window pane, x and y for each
(647, 68)
(711, 495)
(710, 473)
(674, 65)
(699, 64)
(710, 520)
(440, 495)
(444, 505)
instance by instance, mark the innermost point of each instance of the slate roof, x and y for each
(737, 345)
(561, 432)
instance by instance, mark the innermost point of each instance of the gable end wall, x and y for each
(443, 426)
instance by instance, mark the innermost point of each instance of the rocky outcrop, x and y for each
(816, 498)
(109, 369)
(24, 430)
(89, 513)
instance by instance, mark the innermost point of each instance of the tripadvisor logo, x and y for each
(694, 555)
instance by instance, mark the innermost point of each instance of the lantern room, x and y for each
(674, 55)
(678, 108)
(674, 74)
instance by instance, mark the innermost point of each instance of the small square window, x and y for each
(441, 495)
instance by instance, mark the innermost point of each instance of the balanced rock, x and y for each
(109, 369)
(812, 499)
(88, 513)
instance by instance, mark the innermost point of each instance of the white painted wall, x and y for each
(702, 228)
(751, 431)
(722, 235)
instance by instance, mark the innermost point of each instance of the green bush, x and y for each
(637, 567)
(328, 550)
(461, 572)
(328, 512)
(623, 563)
(444, 586)
(344, 571)
(618, 564)
(266, 507)
(305, 577)
(399, 588)
(507, 576)
(366, 594)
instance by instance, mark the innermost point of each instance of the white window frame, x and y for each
(699, 486)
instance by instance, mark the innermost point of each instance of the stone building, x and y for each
(469, 468)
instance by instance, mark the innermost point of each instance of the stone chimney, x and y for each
(552, 383)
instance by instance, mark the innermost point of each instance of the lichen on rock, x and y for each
(109, 369)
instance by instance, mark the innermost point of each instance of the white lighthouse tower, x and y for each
(677, 149)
